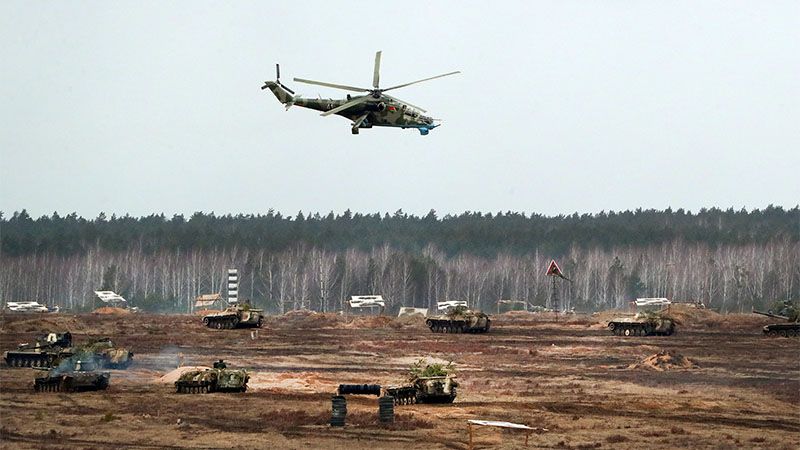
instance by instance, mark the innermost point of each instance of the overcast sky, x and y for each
(141, 107)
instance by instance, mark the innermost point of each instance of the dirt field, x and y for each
(568, 375)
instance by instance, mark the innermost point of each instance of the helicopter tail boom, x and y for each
(281, 94)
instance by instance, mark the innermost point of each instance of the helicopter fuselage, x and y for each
(375, 112)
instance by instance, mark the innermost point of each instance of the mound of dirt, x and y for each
(665, 360)
(172, 376)
(308, 382)
(111, 311)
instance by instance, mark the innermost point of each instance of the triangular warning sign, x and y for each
(553, 270)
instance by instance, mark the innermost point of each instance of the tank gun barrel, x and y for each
(776, 316)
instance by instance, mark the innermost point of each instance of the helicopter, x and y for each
(373, 109)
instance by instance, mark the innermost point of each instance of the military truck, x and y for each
(426, 383)
(787, 312)
(217, 379)
(103, 351)
(73, 375)
(236, 316)
(459, 319)
(40, 353)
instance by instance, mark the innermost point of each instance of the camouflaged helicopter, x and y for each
(375, 109)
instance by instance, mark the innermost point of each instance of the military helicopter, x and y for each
(375, 109)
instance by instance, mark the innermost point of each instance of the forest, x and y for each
(731, 260)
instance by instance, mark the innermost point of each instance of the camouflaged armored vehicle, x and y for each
(459, 319)
(427, 383)
(217, 379)
(643, 324)
(788, 312)
(237, 316)
(73, 375)
(103, 352)
(40, 353)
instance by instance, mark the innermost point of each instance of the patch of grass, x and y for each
(108, 417)
(616, 438)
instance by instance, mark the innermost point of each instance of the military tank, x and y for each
(217, 379)
(459, 319)
(427, 383)
(787, 312)
(237, 316)
(643, 324)
(73, 375)
(103, 352)
(40, 353)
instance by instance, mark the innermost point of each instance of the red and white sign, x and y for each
(553, 270)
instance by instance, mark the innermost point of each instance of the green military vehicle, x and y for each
(459, 319)
(427, 383)
(41, 353)
(236, 316)
(73, 375)
(103, 351)
(217, 379)
(643, 324)
(788, 312)
(653, 319)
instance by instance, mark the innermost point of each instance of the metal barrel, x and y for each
(386, 409)
(362, 389)
(338, 410)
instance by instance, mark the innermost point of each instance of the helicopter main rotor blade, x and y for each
(420, 81)
(376, 76)
(346, 105)
(403, 102)
(331, 85)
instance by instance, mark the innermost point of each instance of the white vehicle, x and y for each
(26, 307)
(442, 306)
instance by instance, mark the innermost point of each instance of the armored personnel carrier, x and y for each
(237, 316)
(787, 312)
(643, 324)
(103, 352)
(427, 383)
(459, 319)
(217, 379)
(72, 375)
(40, 353)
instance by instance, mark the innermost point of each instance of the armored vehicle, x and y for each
(217, 379)
(427, 383)
(643, 324)
(459, 319)
(72, 375)
(41, 353)
(103, 352)
(237, 316)
(787, 312)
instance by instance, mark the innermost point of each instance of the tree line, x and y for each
(730, 260)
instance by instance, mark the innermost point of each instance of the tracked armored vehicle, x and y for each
(789, 313)
(427, 383)
(643, 324)
(459, 319)
(652, 319)
(73, 375)
(217, 379)
(237, 316)
(102, 351)
(41, 353)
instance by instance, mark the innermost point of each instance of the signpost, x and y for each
(554, 272)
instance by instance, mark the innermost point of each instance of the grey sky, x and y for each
(140, 107)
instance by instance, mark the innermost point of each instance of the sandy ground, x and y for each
(719, 384)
